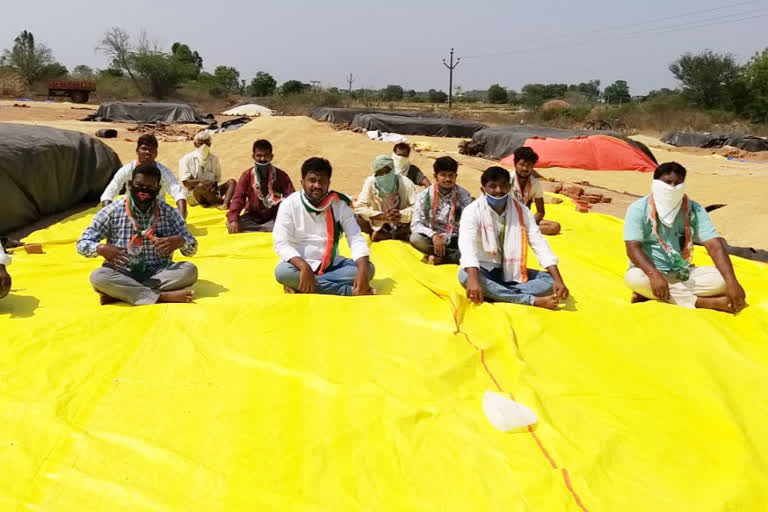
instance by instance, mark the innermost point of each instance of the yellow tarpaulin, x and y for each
(250, 399)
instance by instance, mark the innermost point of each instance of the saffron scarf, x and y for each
(680, 262)
(524, 196)
(333, 228)
(269, 199)
(510, 242)
(430, 204)
(139, 232)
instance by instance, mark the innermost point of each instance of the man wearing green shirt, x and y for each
(659, 232)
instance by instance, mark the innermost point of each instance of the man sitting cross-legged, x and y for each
(200, 172)
(142, 232)
(436, 215)
(494, 235)
(307, 230)
(659, 232)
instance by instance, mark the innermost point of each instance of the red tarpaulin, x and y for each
(593, 152)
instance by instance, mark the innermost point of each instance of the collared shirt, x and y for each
(4, 258)
(112, 223)
(191, 167)
(421, 220)
(369, 204)
(168, 182)
(298, 232)
(638, 228)
(245, 197)
(537, 191)
(471, 244)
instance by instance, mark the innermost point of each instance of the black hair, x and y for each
(445, 163)
(403, 146)
(263, 145)
(494, 173)
(317, 165)
(147, 139)
(146, 170)
(669, 167)
(526, 154)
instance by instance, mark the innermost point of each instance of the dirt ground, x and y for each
(713, 179)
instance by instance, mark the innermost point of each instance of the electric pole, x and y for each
(450, 67)
(350, 79)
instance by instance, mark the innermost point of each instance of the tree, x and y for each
(54, 70)
(707, 78)
(392, 93)
(291, 87)
(163, 72)
(497, 94)
(437, 96)
(83, 72)
(755, 83)
(617, 92)
(116, 44)
(191, 59)
(533, 95)
(263, 85)
(28, 58)
(227, 78)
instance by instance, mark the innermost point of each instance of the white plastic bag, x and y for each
(505, 414)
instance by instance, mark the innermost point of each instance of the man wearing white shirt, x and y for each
(5, 278)
(200, 173)
(494, 235)
(146, 152)
(306, 236)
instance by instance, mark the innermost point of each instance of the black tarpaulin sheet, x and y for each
(139, 112)
(339, 115)
(46, 170)
(717, 140)
(432, 126)
(501, 141)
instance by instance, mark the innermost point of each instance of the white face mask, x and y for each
(402, 163)
(203, 151)
(668, 200)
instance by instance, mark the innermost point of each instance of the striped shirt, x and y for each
(112, 223)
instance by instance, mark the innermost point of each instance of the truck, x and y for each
(77, 90)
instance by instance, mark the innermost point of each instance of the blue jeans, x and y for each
(336, 280)
(539, 284)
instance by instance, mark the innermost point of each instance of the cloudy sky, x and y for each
(499, 41)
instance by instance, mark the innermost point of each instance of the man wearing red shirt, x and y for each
(259, 190)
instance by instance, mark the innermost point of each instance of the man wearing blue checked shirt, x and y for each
(141, 235)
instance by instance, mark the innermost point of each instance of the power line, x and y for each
(718, 20)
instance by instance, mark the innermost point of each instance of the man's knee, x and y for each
(463, 277)
(549, 227)
(286, 274)
(188, 272)
(101, 276)
(421, 243)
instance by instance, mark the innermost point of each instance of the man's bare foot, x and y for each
(105, 299)
(548, 302)
(184, 296)
(380, 235)
(716, 303)
(434, 260)
(223, 207)
(289, 290)
(355, 293)
(636, 298)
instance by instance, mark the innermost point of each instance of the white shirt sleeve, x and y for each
(283, 232)
(365, 206)
(119, 180)
(409, 197)
(468, 232)
(171, 184)
(537, 241)
(358, 247)
(4, 258)
(216, 168)
(184, 172)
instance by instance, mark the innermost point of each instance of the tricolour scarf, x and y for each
(333, 228)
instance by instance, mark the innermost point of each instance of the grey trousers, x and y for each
(139, 289)
(249, 224)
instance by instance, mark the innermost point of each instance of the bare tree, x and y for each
(350, 81)
(116, 45)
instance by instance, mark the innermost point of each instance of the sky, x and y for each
(498, 41)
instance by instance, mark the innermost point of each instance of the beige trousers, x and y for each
(703, 282)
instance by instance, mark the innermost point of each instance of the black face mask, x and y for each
(143, 197)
